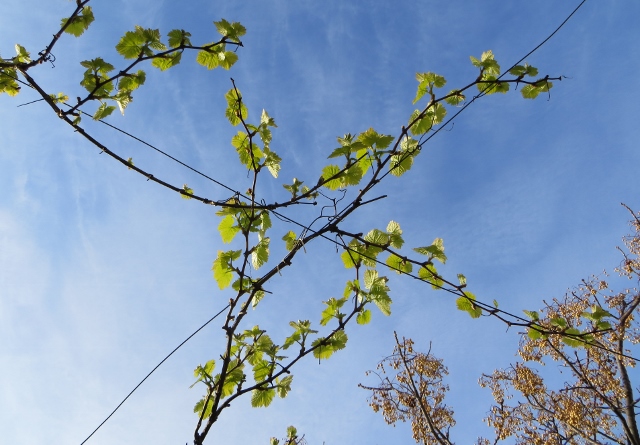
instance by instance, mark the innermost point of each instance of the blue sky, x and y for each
(102, 273)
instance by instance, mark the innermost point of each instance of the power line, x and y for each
(152, 371)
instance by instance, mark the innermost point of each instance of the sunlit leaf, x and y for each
(103, 111)
(364, 317)
(261, 398)
(79, 24)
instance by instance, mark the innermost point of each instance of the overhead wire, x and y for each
(152, 371)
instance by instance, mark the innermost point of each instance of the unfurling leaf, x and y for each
(290, 239)
(23, 55)
(186, 192)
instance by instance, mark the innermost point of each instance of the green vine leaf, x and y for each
(327, 346)
(364, 317)
(350, 257)
(284, 386)
(228, 228)
(261, 398)
(223, 269)
(429, 274)
(179, 37)
(466, 304)
(487, 63)
(375, 141)
(235, 107)
(395, 235)
(260, 254)
(290, 239)
(434, 251)
(167, 61)
(398, 264)
(428, 81)
(455, 98)
(80, 23)
(23, 55)
(186, 192)
(8, 83)
(328, 172)
(103, 111)
(232, 31)
(532, 91)
(140, 43)
(524, 70)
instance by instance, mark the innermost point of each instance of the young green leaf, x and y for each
(455, 98)
(232, 31)
(290, 240)
(284, 386)
(434, 251)
(429, 274)
(395, 235)
(59, 98)
(178, 37)
(422, 125)
(364, 317)
(97, 66)
(260, 254)
(399, 265)
(261, 398)
(371, 138)
(186, 192)
(524, 70)
(222, 267)
(400, 164)
(103, 111)
(167, 61)
(272, 162)
(23, 55)
(130, 82)
(228, 228)
(487, 63)
(8, 83)
(351, 258)
(328, 172)
(466, 304)
(140, 43)
(227, 59)
(208, 58)
(235, 108)
(532, 91)
(77, 25)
